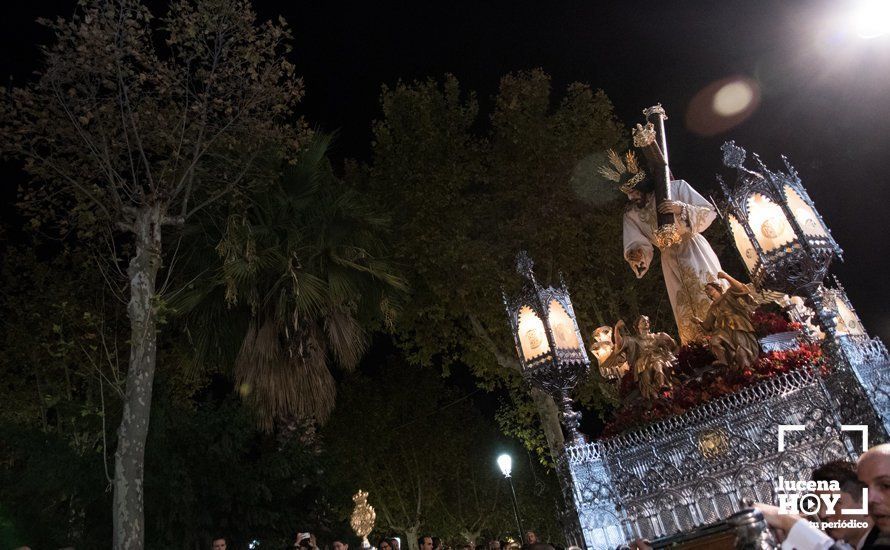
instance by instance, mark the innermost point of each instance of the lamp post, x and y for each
(552, 358)
(505, 463)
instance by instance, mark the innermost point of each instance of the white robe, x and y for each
(687, 266)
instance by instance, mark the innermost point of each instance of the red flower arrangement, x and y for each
(766, 323)
(697, 385)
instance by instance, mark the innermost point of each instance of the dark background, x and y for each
(825, 94)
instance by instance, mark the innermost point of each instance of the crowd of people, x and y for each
(308, 541)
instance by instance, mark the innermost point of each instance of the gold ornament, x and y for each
(666, 236)
(644, 135)
(625, 172)
(713, 444)
(363, 517)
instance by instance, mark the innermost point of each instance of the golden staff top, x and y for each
(363, 516)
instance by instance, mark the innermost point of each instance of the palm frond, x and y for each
(346, 338)
(284, 381)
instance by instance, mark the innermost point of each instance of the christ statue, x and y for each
(688, 263)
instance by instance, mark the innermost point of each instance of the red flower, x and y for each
(766, 323)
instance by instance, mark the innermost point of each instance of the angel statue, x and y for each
(728, 322)
(650, 356)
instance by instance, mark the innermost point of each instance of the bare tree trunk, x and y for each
(411, 535)
(549, 415)
(129, 459)
(547, 409)
(471, 536)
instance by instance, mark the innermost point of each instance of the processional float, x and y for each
(690, 476)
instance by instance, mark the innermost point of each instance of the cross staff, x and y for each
(652, 140)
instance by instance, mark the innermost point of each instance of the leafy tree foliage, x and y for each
(469, 200)
(208, 471)
(61, 364)
(427, 457)
(130, 137)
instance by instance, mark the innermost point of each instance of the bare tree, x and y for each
(133, 125)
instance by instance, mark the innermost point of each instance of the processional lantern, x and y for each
(548, 341)
(363, 517)
(783, 241)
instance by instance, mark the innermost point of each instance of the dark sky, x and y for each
(825, 96)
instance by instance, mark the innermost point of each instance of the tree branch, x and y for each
(74, 183)
(502, 358)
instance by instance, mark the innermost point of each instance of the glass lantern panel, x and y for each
(847, 321)
(743, 244)
(804, 214)
(563, 327)
(768, 223)
(532, 338)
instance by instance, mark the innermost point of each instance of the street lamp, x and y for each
(505, 463)
(871, 18)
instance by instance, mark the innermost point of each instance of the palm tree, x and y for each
(299, 275)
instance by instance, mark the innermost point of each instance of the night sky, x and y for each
(824, 93)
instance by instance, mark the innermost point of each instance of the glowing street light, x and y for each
(505, 463)
(871, 18)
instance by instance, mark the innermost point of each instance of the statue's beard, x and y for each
(642, 201)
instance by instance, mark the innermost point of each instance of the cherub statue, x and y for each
(650, 355)
(728, 322)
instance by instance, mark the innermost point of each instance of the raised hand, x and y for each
(671, 207)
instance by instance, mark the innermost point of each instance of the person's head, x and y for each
(218, 543)
(531, 537)
(639, 194)
(339, 545)
(873, 470)
(424, 543)
(850, 497)
(642, 324)
(494, 545)
(713, 290)
(384, 544)
(394, 542)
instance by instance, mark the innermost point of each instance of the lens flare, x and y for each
(733, 98)
(722, 105)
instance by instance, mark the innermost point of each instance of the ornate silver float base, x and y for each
(694, 469)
